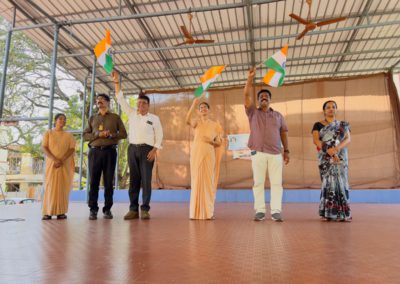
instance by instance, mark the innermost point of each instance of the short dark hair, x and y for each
(106, 97)
(144, 97)
(264, 91)
(204, 103)
(327, 102)
(57, 116)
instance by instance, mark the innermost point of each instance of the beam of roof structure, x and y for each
(251, 31)
(137, 50)
(394, 66)
(354, 33)
(242, 81)
(237, 67)
(242, 28)
(144, 33)
(259, 50)
(50, 36)
(146, 30)
(77, 39)
(290, 75)
(144, 15)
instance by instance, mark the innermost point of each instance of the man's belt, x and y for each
(103, 147)
(141, 145)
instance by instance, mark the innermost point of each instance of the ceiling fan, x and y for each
(310, 25)
(189, 39)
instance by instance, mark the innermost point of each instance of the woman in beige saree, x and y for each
(205, 158)
(59, 147)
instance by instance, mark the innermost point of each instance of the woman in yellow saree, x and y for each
(59, 147)
(205, 160)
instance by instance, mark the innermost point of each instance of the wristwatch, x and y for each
(286, 151)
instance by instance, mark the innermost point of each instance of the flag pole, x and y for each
(260, 64)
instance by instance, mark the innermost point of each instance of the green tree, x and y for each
(27, 95)
(27, 92)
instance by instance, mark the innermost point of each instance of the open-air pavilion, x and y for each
(353, 61)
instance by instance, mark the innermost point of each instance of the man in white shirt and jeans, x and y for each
(145, 137)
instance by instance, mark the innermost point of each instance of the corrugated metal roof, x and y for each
(368, 41)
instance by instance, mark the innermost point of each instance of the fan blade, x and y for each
(186, 32)
(299, 19)
(204, 41)
(302, 34)
(331, 21)
(179, 44)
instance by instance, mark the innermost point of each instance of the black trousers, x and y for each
(140, 175)
(101, 161)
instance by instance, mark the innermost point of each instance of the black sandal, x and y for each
(62, 216)
(46, 217)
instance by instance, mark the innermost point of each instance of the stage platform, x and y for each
(246, 195)
(170, 248)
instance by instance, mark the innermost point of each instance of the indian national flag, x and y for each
(276, 65)
(208, 78)
(102, 52)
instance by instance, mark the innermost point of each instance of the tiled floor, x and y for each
(169, 248)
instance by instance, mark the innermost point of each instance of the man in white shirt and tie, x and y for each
(145, 137)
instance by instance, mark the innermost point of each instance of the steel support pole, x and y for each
(5, 65)
(116, 182)
(82, 129)
(90, 114)
(53, 75)
(92, 90)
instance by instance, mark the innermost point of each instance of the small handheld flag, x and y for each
(208, 78)
(102, 52)
(277, 68)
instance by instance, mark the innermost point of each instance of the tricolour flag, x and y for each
(102, 52)
(276, 65)
(208, 78)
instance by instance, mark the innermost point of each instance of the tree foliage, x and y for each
(27, 92)
(27, 95)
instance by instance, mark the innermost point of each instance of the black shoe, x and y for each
(61, 216)
(107, 214)
(93, 215)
